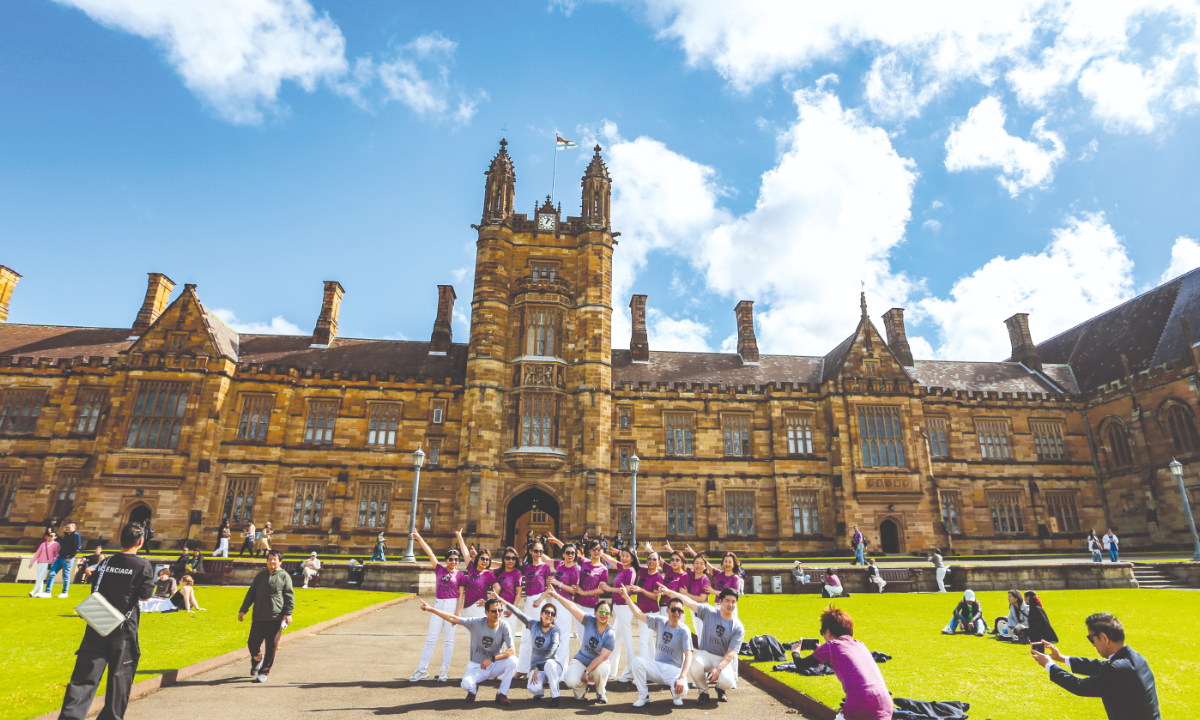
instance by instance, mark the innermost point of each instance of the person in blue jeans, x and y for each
(1111, 544)
(68, 547)
(857, 542)
(380, 548)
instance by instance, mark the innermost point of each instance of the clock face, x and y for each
(545, 222)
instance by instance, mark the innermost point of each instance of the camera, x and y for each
(1039, 646)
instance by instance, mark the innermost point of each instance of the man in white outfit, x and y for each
(719, 642)
(492, 651)
(939, 568)
(672, 653)
(312, 567)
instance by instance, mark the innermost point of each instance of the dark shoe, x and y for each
(470, 697)
(703, 699)
(538, 698)
(553, 702)
(602, 699)
(503, 700)
(721, 696)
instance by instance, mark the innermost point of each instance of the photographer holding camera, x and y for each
(1123, 680)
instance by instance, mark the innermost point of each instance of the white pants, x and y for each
(647, 671)
(526, 650)
(551, 674)
(697, 623)
(156, 605)
(222, 548)
(645, 643)
(563, 621)
(474, 674)
(438, 625)
(40, 583)
(574, 678)
(878, 581)
(833, 590)
(624, 628)
(309, 573)
(941, 578)
(704, 661)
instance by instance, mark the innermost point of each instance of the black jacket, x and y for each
(69, 544)
(1124, 683)
(1039, 626)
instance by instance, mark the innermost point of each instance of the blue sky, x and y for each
(963, 163)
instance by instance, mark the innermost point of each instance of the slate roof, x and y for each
(721, 368)
(53, 341)
(992, 376)
(1147, 329)
(405, 358)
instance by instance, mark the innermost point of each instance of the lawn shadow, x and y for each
(218, 681)
(371, 684)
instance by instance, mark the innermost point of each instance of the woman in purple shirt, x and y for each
(675, 578)
(566, 578)
(508, 580)
(479, 580)
(623, 616)
(449, 599)
(593, 572)
(867, 696)
(536, 578)
(648, 582)
(699, 585)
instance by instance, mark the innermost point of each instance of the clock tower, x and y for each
(537, 409)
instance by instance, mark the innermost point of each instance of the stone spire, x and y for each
(597, 192)
(500, 187)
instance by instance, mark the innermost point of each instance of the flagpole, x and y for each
(554, 174)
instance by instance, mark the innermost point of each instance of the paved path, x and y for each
(359, 670)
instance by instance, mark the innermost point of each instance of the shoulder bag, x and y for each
(98, 612)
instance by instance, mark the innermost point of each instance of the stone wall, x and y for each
(1184, 573)
(1049, 576)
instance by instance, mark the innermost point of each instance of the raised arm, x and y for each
(448, 617)
(425, 546)
(462, 545)
(567, 604)
(637, 611)
(550, 538)
(511, 608)
(687, 601)
(688, 549)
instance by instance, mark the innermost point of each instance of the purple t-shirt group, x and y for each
(590, 578)
(567, 576)
(509, 581)
(536, 577)
(447, 583)
(476, 586)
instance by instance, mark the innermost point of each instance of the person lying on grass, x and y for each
(969, 615)
(867, 696)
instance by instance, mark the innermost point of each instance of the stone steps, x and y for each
(1151, 578)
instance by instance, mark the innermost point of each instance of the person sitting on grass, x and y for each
(968, 614)
(1008, 628)
(1039, 629)
(833, 586)
(867, 696)
(873, 575)
(164, 588)
(185, 597)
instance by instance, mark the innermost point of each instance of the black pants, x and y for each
(121, 657)
(268, 630)
(247, 544)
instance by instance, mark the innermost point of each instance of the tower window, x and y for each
(158, 415)
(1183, 429)
(537, 420)
(935, 433)
(1116, 441)
(543, 271)
(542, 332)
(799, 434)
(91, 402)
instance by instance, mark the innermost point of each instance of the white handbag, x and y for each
(98, 612)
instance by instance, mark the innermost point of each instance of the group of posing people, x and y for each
(1026, 621)
(595, 597)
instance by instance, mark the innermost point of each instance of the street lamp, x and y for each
(634, 462)
(418, 461)
(1177, 471)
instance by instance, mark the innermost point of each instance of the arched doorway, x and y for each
(532, 510)
(889, 536)
(139, 513)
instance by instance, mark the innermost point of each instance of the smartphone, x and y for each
(809, 644)
(1039, 646)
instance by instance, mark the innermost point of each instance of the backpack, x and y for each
(764, 648)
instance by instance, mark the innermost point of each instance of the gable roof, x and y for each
(993, 377)
(58, 342)
(720, 368)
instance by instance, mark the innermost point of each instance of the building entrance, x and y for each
(889, 537)
(534, 510)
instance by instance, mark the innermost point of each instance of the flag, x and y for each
(565, 144)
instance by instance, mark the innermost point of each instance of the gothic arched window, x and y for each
(542, 332)
(1183, 428)
(1116, 439)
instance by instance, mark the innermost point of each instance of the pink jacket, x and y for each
(46, 553)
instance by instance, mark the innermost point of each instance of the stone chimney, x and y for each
(897, 338)
(439, 342)
(747, 346)
(158, 296)
(639, 344)
(8, 281)
(326, 329)
(1023, 349)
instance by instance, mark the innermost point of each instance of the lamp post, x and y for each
(418, 461)
(1177, 470)
(634, 462)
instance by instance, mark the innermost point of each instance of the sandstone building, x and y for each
(533, 420)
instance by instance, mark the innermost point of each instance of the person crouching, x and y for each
(672, 654)
(492, 651)
(545, 636)
(969, 615)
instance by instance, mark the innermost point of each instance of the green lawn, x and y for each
(994, 677)
(38, 637)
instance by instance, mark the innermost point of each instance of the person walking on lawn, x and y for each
(1112, 545)
(492, 652)
(716, 656)
(939, 568)
(69, 545)
(274, 601)
(858, 543)
(223, 541)
(248, 538)
(1123, 681)
(46, 553)
(122, 580)
(380, 547)
(672, 653)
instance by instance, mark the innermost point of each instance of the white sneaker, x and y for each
(641, 701)
(443, 676)
(45, 595)
(624, 678)
(63, 595)
(260, 679)
(418, 675)
(678, 701)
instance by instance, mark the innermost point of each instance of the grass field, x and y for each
(998, 679)
(38, 637)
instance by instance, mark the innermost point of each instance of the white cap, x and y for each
(314, 553)
(969, 595)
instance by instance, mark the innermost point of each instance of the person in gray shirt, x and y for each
(672, 652)
(544, 637)
(939, 568)
(715, 658)
(492, 651)
(595, 645)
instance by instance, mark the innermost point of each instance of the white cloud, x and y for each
(936, 204)
(460, 274)
(278, 325)
(236, 54)
(1185, 256)
(1083, 271)
(981, 141)
(1040, 48)
(669, 333)
(1090, 151)
(933, 225)
(233, 54)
